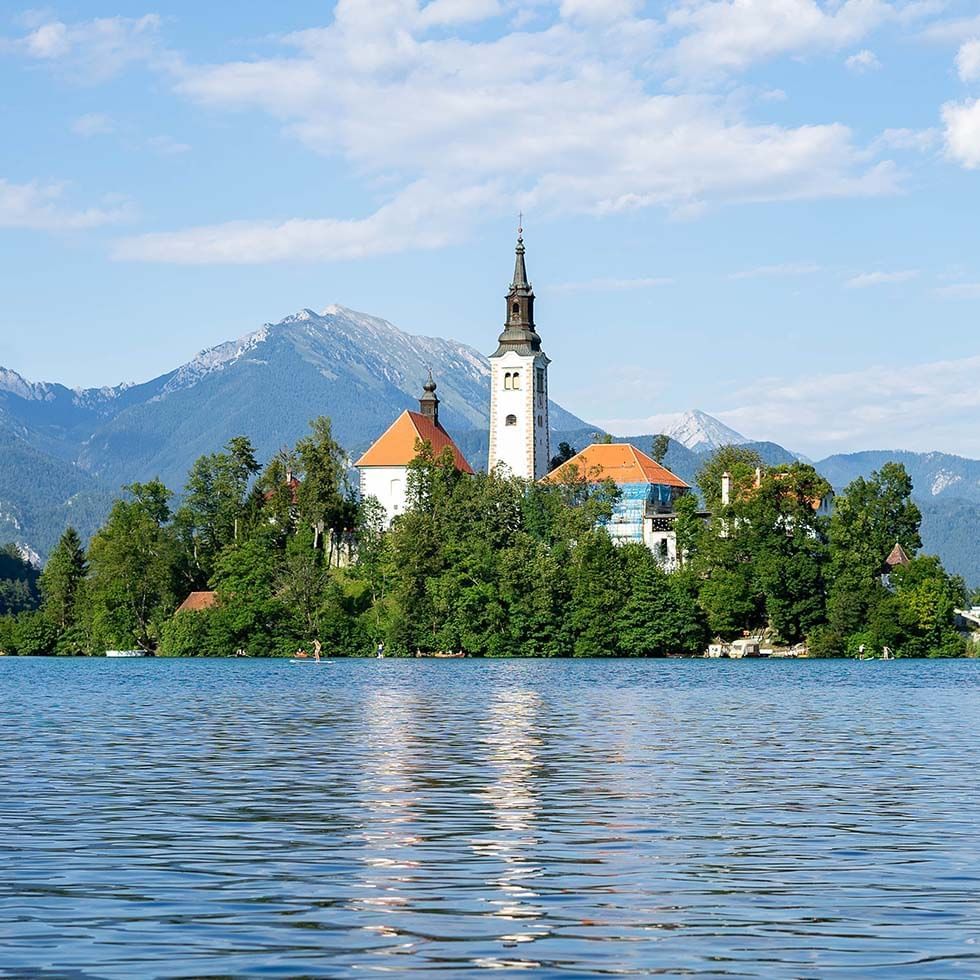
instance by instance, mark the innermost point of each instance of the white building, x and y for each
(519, 431)
(384, 467)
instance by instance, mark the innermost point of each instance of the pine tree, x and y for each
(61, 584)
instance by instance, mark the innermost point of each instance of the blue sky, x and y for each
(763, 208)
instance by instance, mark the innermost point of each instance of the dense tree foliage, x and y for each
(485, 564)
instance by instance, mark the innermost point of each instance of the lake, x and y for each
(182, 818)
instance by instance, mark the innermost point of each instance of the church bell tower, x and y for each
(519, 432)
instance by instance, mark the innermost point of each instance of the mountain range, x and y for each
(64, 453)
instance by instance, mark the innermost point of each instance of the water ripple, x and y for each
(215, 818)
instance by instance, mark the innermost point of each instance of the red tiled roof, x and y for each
(197, 601)
(293, 485)
(897, 557)
(397, 446)
(616, 461)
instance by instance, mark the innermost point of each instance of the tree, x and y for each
(61, 585)
(565, 452)
(787, 543)
(869, 517)
(215, 506)
(739, 462)
(597, 588)
(324, 497)
(661, 444)
(926, 597)
(18, 581)
(133, 562)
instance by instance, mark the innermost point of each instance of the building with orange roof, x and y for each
(383, 468)
(198, 601)
(644, 512)
(822, 506)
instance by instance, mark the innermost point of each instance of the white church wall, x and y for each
(389, 485)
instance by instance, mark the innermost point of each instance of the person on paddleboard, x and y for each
(381, 650)
(317, 647)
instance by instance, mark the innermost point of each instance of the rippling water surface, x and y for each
(723, 819)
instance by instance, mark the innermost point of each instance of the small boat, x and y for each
(448, 656)
(293, 660)
(127, 653)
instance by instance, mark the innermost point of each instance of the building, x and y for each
(198, 602)
(519, 430)
(822, 506)
(645, 511)
(384, 467)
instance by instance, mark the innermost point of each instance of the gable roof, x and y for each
(197, 601)
(396, 447)
(617, 461)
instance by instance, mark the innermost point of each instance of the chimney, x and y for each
(429, 402)
(726, 489)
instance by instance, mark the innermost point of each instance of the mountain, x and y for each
(934, 474)
(701, 432)
(62, 444)
(65, 452)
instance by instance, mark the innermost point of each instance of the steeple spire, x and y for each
(519, 333)
(429, 402)
(520, 270)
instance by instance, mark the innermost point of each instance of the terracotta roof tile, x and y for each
(619, 462)
(897, 557)
(197, 601)
(396, 447)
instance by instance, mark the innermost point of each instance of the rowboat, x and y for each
(127, 653)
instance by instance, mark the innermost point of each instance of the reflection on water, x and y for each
(189, 818)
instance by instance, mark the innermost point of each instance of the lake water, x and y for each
(704, 818)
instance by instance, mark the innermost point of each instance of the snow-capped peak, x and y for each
(702, 432)
(214, 359)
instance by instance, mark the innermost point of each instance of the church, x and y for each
(520, 437)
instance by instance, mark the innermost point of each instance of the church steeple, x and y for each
(429, 402)
(519, 333)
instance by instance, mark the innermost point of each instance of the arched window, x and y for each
(515, 380)
(516, 309)
(511, 420)
(507, 381)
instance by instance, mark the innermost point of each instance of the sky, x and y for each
(765, 209)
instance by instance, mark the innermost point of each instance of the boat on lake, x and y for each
(127, 653)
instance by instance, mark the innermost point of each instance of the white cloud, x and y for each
(166, 145)
(37, 205)
(960, 290)
(611, 285)
(404, 109)
(919, 407)
(783, 269)
(406, 222)
(919, 140)
(866, 279)
(863, 61)
(730, 35)
(597, 11)
(443, 13)
(968, 61)
(962, 132)
(953, 31)
(92, 50)
(93, 124)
